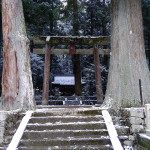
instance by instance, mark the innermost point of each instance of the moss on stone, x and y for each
(144, 142)
(90, 112)
(24, 31)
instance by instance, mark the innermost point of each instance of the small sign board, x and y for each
(64, 80)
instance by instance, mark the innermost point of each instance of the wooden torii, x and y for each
(72, 41)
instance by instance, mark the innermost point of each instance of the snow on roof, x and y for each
(65, 80)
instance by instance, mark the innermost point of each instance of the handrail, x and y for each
(112, 131)
(18, 135)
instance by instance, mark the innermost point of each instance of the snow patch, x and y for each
(69, 123)
(145, 136)
(128, 148)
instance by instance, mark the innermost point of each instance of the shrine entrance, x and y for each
(64, 85)
(49, 42)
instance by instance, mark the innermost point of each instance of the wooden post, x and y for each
(76, 70)
(98, 75)
(45, 93)
(77, 74)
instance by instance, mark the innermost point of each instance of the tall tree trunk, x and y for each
(51, 19)
(75, 18)
(104, 24)
(0, 27)
(17, 86)
(51, 26)
(148, 51)
(76, 58)
(104, 31)
(1, 36)
(92, 23)
(128, 61)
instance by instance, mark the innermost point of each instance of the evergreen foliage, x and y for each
(146, 22)
(49, 17)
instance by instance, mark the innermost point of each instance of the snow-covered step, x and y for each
(67, 126)
(67, 111)
(62, 106)
(53, 134)
(67, 142)
(93, 147)
(64, 119)
(123, 137)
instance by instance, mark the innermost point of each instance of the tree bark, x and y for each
(128, 62)
(98, 76)
(45, 93)
(92, 22)
(76, 58)
(75, 18)
(104, 27)
(17, 86)
(51, 19)
(1, 36)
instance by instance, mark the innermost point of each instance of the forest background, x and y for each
(54, 17)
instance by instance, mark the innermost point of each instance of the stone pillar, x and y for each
(147, 111)
(98, 75)
(46, 79)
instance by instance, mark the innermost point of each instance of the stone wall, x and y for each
(134, 118)
(9, 122)
(147, 111)
(3, 116)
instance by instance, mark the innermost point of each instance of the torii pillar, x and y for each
(46, 79)
(98, 75)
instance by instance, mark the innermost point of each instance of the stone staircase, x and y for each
(73, 128)
(66, 128)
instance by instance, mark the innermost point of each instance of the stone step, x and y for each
(67, 142)
(64, 119)
(66, 111)
(53, 134)
(93, 147)
(62, 106)
(67, 126)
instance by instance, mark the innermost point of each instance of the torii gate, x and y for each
(72, 41)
